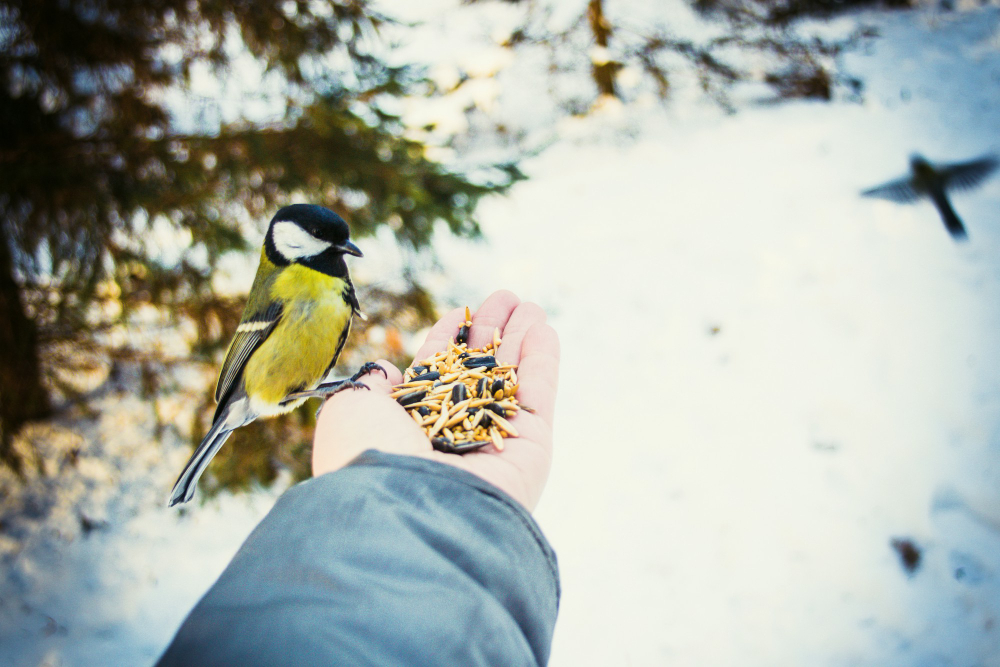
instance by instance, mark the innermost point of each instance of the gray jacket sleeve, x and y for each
(393, 560)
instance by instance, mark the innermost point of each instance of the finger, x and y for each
(493, 314)
(525, 316)
(437, 338)
(538, 371)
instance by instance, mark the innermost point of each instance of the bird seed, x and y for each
(462, 397)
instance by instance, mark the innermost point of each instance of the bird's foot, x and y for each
(325, 391)
(328, 389)
(367, 368)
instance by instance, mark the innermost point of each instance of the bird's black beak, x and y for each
(349, 248)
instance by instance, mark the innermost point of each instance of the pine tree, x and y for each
(103, 139)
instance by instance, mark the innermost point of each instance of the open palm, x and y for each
(353, 421)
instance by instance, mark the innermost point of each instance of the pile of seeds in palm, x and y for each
(462, 397)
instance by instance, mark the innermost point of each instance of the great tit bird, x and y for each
(293, 328)
(934, 182)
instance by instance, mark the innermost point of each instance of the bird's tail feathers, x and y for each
(951, 220)
(186, 484)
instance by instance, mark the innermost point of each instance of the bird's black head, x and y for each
(919, 162)
(310, 235)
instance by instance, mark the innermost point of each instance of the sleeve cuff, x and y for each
(448, 474)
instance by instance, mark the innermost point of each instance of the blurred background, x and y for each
(778, 430)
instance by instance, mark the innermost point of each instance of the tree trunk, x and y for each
(603, 72)
(22, 396)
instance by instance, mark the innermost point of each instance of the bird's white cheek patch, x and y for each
(293, 242)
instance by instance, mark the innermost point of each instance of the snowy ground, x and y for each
(798, 376)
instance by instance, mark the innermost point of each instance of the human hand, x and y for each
(353, 421)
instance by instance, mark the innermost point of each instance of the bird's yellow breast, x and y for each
(302, 346)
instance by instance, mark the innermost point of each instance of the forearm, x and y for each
(391, 560)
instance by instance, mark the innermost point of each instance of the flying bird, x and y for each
(934, 182)
(294, 326)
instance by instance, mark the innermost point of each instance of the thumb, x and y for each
(357, 419)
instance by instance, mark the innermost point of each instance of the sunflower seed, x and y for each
(480, 362)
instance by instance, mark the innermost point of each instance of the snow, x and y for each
(788, 378)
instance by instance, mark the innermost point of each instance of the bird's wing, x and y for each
(900, 191)
(254, 328)
(967, 175)
(351, 297)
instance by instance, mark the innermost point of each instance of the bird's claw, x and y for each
(350, 384)
(367, 368)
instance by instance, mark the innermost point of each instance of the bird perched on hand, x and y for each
(293, 329)
(934, 182)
